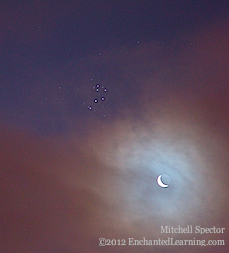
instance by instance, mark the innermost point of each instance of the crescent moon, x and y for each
(160, 183)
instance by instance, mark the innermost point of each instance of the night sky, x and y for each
(97, 99)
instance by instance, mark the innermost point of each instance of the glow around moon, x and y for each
(160, 183)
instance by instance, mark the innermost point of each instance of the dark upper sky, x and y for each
(51, 54)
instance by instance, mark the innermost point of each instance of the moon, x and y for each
(160, 183)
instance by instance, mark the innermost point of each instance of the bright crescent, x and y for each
(160, 183)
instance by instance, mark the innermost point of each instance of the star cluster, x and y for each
(99, 95)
